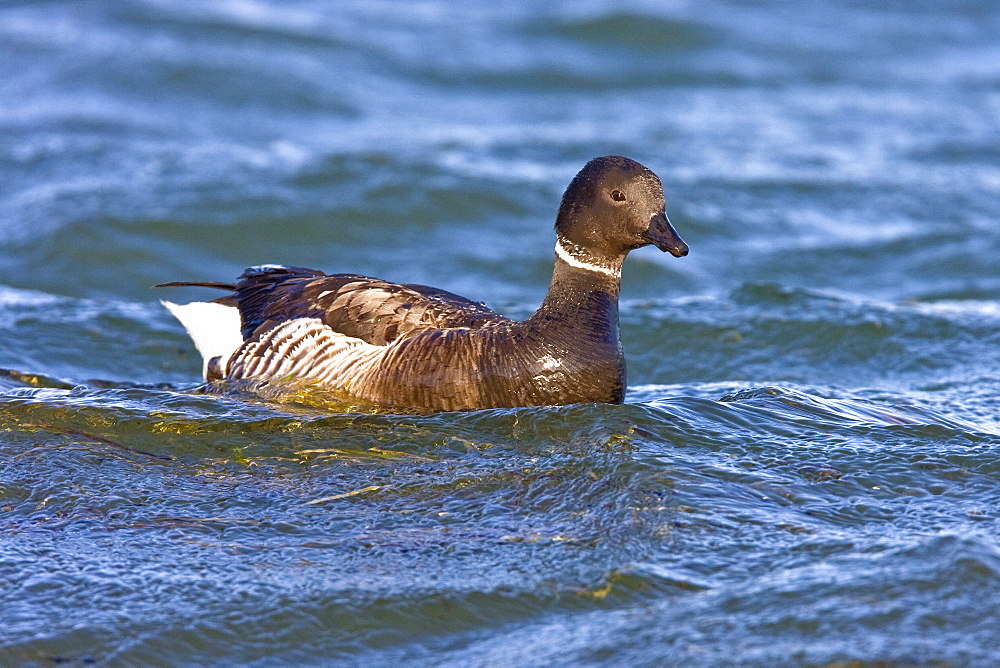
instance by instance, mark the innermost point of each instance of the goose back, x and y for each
(373, 310)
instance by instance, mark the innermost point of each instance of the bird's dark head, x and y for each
(615, 205)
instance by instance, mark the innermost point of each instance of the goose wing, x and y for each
(375, 311)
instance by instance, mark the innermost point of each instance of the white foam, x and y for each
(960, 307)
(18, 297)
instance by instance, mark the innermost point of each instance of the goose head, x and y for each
(613, 206)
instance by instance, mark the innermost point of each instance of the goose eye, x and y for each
(618, 195)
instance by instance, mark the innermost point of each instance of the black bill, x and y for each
(662, 235)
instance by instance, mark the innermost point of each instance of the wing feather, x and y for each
(375, 311)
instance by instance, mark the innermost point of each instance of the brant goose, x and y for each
(417, 348)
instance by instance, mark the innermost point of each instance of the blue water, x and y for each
(805, 471)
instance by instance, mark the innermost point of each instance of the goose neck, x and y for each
(583, 291)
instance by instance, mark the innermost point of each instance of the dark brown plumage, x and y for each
(413, 347)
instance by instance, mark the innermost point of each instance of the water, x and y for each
(806, 467)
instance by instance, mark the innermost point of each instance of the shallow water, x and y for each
(805, 471)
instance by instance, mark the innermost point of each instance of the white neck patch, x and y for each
(564, 251)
